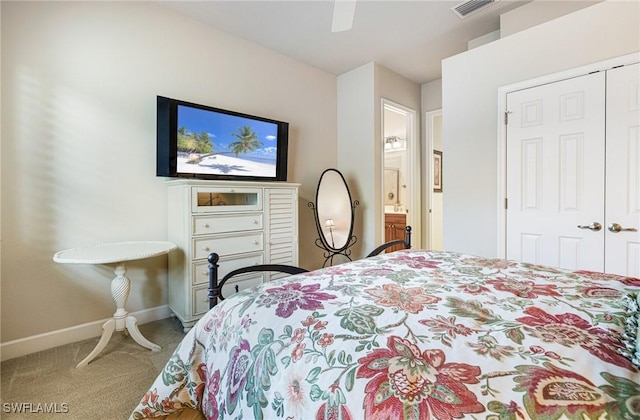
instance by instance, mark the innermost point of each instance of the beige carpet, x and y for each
(109, 388)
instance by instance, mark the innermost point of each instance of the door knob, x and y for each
(615, 228)
(595, 226)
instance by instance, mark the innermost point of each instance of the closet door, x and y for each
(622, 243)
(555, 173)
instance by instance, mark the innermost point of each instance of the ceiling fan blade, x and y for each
(343, 11)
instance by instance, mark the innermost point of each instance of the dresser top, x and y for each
(216, 183)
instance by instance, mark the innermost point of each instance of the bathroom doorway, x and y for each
(400, 174)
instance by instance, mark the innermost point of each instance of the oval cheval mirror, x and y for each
(334, 215)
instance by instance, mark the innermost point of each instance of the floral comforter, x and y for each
(410, 334)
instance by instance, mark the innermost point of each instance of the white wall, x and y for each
(470, 85)
(431, 94)
(357, 156)
(537, 12)
(79, 86)
(360, 94)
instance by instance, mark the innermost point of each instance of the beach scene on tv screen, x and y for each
(215, 143)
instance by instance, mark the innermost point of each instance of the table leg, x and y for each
(122, 321)
(132, 327)
(107, 330)
(120, 287)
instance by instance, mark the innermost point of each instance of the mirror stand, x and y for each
(334, 213)
(328, 246)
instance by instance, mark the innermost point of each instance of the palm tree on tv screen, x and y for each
(247, 141)
(194, 142)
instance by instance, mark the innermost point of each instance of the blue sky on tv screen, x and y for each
(219, 126)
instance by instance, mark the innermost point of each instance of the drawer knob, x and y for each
(206, 225)
(256, 242)
(255, 222)
(205, 248)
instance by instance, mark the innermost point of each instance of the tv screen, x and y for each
(199, 141)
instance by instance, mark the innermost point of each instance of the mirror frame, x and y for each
(322, 241)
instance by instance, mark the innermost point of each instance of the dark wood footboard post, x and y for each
(407, 237)
(214, 290)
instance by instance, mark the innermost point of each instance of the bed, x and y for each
(413, 334)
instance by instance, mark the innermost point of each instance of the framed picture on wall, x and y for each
(437, 171)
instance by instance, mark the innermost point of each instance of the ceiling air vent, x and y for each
(468, 7)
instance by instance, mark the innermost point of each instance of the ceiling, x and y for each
(408, 37)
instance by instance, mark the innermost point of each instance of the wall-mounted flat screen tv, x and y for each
(199, 141)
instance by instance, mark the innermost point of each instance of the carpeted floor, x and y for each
(109, 388)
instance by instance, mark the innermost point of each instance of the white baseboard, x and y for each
(48, 340)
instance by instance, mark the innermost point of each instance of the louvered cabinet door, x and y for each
(281, 226)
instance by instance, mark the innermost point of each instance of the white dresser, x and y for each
(244, 222)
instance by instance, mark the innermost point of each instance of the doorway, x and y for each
(434, 188)
(400, 169)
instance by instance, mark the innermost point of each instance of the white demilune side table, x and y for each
(118, 253)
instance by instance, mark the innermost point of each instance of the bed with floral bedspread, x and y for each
(410, 334)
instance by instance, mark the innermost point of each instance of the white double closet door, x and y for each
(573, 173)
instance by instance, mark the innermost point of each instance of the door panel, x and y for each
(623, 170)
(555, 173)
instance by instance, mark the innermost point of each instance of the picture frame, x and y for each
(437, 171)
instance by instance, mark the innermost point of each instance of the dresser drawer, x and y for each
(227, 245)
(202, 225)
(200, 295)
(225, 200)
(201, 268)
